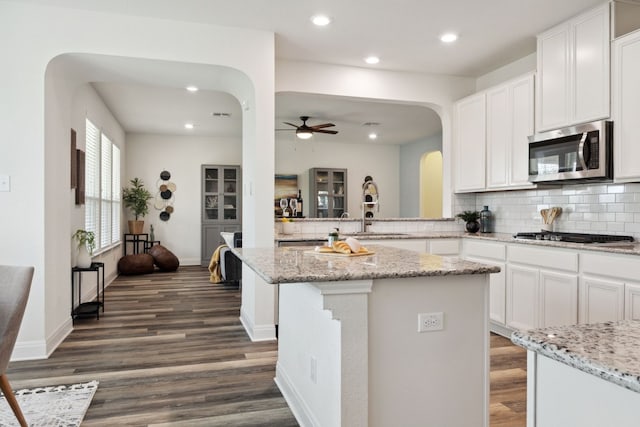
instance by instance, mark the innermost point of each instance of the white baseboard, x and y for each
(189, 261)
(296, 403)
(257, 332)
(42, 349)
(499, 329)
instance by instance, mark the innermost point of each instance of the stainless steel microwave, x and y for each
(576, 153)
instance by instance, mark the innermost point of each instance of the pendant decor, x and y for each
(165, 196)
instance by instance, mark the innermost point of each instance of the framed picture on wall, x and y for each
(74, 160)
(286, 187)
(80, 178)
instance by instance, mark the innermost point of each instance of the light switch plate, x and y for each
(5, 183)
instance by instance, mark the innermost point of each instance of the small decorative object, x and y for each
(86, 245)
(136, 198)
(152, 235)
(333, 237)
(548, 216)
(165, 196)
(486, 221)
(471, 220)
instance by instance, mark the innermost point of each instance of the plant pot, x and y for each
(472, 227)
(84, 259)
(136, 227)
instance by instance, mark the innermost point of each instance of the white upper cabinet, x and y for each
(470, 143)
(626, 107)
(491, 129)
(573, 80)
(509, 123)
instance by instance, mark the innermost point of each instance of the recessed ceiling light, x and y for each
(373, 136)
(189, 126)
(221, 115)
(192, 88)
(371, 60)
(320, 20)
(448, 37)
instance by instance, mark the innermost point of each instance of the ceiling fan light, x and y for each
(373, 135)
(303, 134)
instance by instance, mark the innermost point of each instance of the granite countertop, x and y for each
(607, 350)
(630, 248)
(300, 264)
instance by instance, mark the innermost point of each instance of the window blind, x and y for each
(102, 191)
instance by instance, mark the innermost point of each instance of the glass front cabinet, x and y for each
(328, 192)
(221, 206)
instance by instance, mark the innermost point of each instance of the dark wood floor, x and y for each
(170, 350)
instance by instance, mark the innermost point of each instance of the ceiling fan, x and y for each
(304, 131)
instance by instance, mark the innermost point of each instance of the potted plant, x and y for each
(471, 220)
(136, 198)
(86, 245)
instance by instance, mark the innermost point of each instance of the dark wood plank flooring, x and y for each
(170, 350)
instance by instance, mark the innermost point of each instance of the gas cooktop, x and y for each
(572, 237)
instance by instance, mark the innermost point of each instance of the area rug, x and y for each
(59, 406)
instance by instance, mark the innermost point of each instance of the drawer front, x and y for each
(544, 257)
(481, 249)
(444, 246)
(614, 265)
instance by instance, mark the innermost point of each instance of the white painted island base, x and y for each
(350, 354)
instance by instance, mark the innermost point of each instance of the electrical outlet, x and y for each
(428, 322)
(313, 370)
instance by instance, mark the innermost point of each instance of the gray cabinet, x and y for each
(327, 192)
(221, 206)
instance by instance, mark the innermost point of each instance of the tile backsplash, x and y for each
(586, 208)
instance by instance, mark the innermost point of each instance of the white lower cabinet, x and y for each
(522, 297)
(601, 300)
(448, 247)
(609, 290)
(632, 301)
(558, 298)
(418, 245)
(542, 287)
(492, 253)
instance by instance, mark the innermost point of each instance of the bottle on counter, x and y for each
(300, 214)
(333, 237)
(486, 221)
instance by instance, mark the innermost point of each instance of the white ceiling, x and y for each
(403, 33)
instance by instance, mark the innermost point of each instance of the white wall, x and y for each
(410, 158)
(34, 132)
(377, 160)
(514, 69)
(182, 156)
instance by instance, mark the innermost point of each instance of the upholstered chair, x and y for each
(15, 283)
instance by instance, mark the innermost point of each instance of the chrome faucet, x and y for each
(344, 215)
(370, 196)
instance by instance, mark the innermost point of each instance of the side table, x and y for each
(136, 240)
(85, 309)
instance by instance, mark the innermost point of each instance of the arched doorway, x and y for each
(431, 185)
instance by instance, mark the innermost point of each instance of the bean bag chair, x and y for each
(136, 264)
(164, 258)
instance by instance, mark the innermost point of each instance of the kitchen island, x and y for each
(349, 350)
(583, 375)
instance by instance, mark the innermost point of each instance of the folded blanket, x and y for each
(214, 266)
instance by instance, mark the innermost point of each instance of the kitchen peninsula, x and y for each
(349, 350)
(583, 375)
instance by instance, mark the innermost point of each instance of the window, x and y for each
(102, 187)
